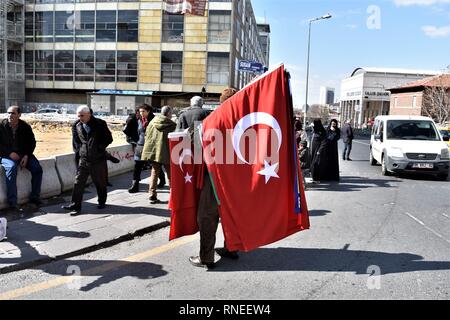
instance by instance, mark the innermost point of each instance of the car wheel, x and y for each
(384, 170)
(372, 159)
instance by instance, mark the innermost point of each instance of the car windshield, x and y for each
(412, 130)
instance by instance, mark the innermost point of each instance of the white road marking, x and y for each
(426, 227)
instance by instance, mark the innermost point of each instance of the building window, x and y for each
(63, 65)
(396, 102)
(127, 26)
(218, 68)
(171, 66)
(106, 26)
(43, 65)
(64, 26)
(414, 102)
(84, 65)
(172, 27)
(219, 30)
(85, 26)
(105, 66)
(43, 24)
(126, 66)
(29, 65)
(29, 26)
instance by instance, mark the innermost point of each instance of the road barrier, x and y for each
(59, 174)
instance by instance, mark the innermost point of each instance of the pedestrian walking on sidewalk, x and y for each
(347, 138)
(17, 145)
(93, 137)
(156, 148)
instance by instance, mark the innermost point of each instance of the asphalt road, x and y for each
(371, 237)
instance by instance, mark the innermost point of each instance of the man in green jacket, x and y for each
(156, 148)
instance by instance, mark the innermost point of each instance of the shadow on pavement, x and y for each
(107, 271)
(328, 260)
(349, 184)
(318, 213)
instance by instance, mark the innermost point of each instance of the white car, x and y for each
(409, 144)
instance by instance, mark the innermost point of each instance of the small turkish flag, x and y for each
(184, 193)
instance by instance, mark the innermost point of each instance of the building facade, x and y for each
(326, 96)
(114, 55)
(264, 35)
(412, 98)
(12, 76)
(364, 94)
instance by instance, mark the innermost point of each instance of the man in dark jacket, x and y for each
(347, 137)
(93, 136)
(193, 114)
(17, 144)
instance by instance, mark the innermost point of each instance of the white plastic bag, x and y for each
(2, 229)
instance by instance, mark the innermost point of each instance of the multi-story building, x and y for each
(364, 94)
(326, 96)
(116, 54)
(264, 35)
(12, 78)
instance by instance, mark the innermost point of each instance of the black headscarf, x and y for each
(318, 127)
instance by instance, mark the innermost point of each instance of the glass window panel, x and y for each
(172, 28)
(106, 26)
(171, 67)
(43, 22)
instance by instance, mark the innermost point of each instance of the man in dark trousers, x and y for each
(347, 137)
(208, 210)
(17, 144)
(93, 136)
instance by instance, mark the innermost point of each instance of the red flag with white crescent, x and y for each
(250, 152)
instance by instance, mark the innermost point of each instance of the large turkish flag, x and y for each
(249, 147)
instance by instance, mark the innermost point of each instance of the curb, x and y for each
(93, 248)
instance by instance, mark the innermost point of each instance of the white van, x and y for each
(409, 144)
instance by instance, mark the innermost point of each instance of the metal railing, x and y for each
(14, 31)
(15, 71)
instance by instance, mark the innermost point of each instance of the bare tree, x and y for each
(317, 111)
(436, 101)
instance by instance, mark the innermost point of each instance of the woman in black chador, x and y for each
(318, 150)
(332, 156)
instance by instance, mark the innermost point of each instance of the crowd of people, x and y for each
(319, 156)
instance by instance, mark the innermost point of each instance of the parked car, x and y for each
(48, 110)
(409, 144)
(445, 132)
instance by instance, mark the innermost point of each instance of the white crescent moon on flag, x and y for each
(249, 121)
(184, 154)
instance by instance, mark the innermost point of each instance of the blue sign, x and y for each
(125, 92)
(250, 66)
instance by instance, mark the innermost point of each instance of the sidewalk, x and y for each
(51, 233)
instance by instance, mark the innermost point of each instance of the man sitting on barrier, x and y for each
(17, 144)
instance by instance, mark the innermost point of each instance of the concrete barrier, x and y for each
(66, 169)
(59, 174)
(126, 155)
(51, 185)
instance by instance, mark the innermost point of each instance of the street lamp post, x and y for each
(327, 16)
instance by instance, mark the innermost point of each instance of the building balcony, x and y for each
(15, 32)
(15, 71)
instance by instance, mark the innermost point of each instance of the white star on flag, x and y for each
(188, 178)
(269, 171)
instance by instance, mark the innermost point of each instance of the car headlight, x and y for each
(445, 154)
(395, 153)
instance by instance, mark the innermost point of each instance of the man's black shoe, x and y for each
(161, 185)
(348, 159)
(195, 261)
(75, 213)
(101, 206)
(225, 253)
(36, 202)
(71, 207)
(155, 201)
(109, 184)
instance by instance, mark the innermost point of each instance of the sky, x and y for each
(407, 34)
